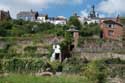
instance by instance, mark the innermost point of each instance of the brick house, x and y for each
(122, 20)
(111, 29)
(4, 15)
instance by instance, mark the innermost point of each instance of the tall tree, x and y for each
(73, 20)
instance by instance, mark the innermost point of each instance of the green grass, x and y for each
(17, 78)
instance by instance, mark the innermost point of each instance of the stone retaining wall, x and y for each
(94, 56)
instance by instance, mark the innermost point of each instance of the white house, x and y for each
(42, 18)
(96, 20)
(57, 20)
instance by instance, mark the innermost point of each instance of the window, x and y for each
(110, 25)
(110, 33)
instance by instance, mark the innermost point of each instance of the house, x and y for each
(60, 20)
(27, 15)
(42, 18)
(111, 28)
(57, 20)
(4, 15)
(122, 21)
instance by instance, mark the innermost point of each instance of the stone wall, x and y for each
(99, 45)
(95, 56)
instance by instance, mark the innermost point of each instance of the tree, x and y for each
(3, 31)
(73, 20)
(90, 30)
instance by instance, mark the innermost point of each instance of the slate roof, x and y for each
(27, 13)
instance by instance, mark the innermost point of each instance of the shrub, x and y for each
(30, 49)
(96, 72)
(17, 65)
(74, 65)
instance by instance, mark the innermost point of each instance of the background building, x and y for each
(93, 17)
(27, 15)
(111, 28)
(4, 15)
(42, 18)
(57, 20)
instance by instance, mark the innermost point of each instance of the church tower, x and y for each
(92, 13)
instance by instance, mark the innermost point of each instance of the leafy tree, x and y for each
(3, 31)
(6, 24)
(89, 30)
(73, 20)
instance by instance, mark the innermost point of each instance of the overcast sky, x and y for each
(65, 7)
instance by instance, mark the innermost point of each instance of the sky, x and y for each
(105, 8)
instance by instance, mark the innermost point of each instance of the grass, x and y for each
(18, 78)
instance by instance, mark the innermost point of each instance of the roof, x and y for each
(73, 29)
(43, 15)
(56, 18)
(113, 22)
(27, 13)
(110, 18)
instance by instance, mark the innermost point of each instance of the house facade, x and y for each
(42, 18)
(27, 15)
(4, 15)
(57, 20)
(111, 29)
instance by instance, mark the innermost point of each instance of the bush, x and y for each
(74, 65)
(55, 66)
(22, 65)
(96, 72)
(30, 49)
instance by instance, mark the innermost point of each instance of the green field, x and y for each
(17, 78)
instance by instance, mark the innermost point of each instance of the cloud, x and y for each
(18, 5)
(84, 13)
(111, 7)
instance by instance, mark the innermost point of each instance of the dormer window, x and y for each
(110, 25)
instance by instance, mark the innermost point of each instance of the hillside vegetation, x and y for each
(26, 47)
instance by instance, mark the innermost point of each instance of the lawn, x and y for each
(18, 78)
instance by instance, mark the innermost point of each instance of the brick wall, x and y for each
(111, 30)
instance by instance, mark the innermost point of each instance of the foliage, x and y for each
(74, 65)
(73, 20)
(55, 66)
(18, 28)
(30, 48)
(96, 72)
(67, 40)
(89, 30)
(22, 65)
